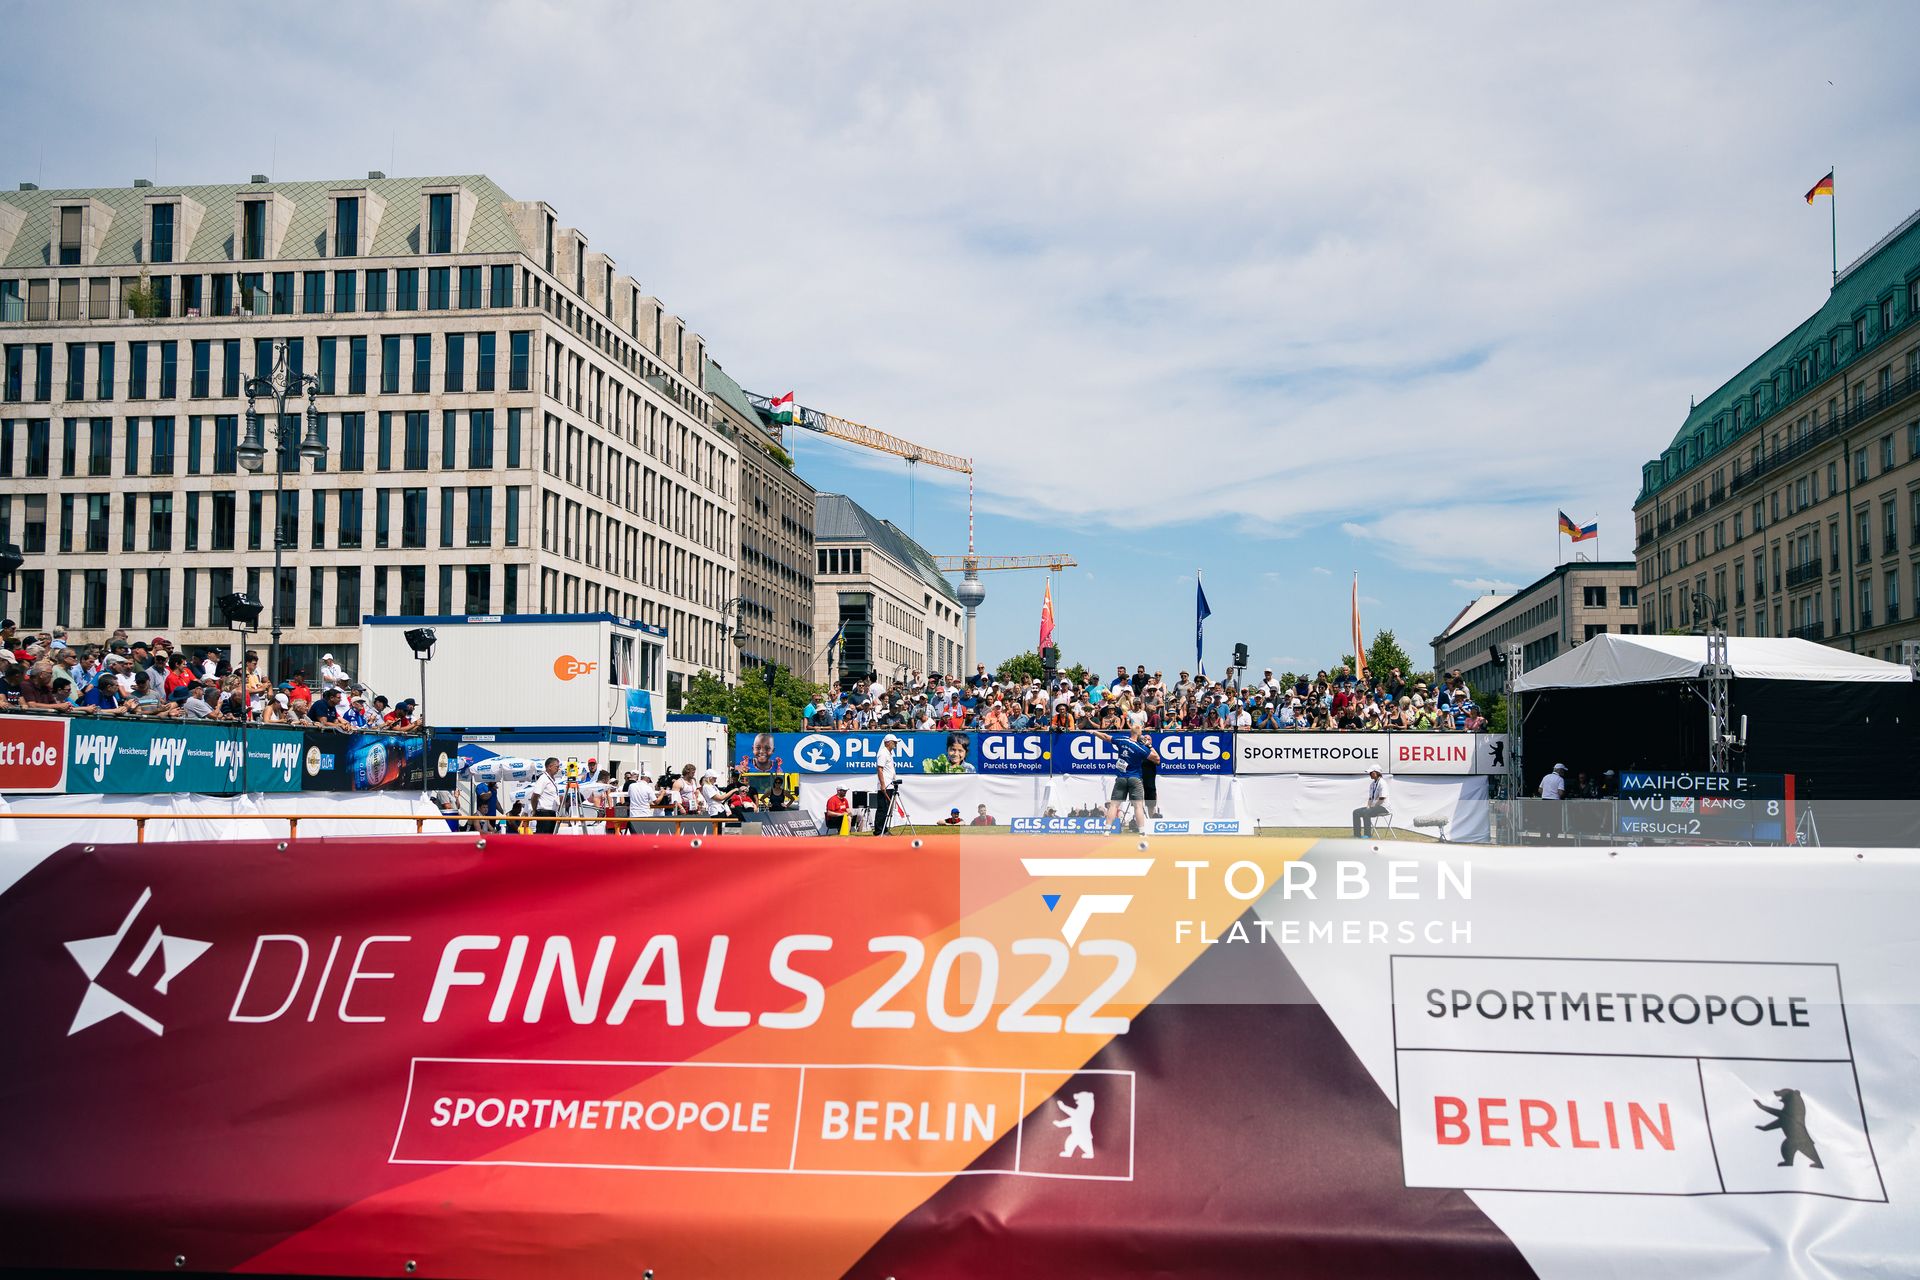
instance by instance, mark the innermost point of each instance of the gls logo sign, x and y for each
(1089, 905)
(566, 667)
(1013, 748)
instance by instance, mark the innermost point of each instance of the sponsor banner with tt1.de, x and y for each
(33, 753)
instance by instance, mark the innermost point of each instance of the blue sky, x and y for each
(1277, 292)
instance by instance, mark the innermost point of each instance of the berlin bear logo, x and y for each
(1790, 1118)
(1078, 1124)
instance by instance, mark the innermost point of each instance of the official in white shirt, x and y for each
(549, 791)
(331, 672)
(1554, 785)
(1375, 807)
(887, 780)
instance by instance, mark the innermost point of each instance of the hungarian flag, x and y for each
(1578, 532)
(1046, 619)
(784, 409)
(1359, 639)
(1824, 187)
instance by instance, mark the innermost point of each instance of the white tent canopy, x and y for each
(1609, 660)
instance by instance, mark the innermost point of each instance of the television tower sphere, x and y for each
(971, 591)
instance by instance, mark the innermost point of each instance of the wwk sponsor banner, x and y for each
(134, 757)
(957, 1056)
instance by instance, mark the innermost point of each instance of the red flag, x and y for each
(1046, 619)
(1359, 639)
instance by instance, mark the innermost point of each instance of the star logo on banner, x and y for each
(94, 955)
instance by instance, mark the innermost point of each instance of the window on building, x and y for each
(313, 293)
(344, 295)
(501, 287)
(511, 534)
(413, 590)
(470, 288)
(480, 439)
(422, 362)
(353, 441)
(283, 293)
(406, 289)
(415, 456)
(440, 224)
(346, 227)
(413, 517)
(162, 453)
(479, 516)
(520, 361)
(438, 298)
(170, 370)
(226, 444)
(389, 363)
(376, 290)
(346, 596)
(456, 370)
(160, 522)
(253, 229)
(76, 371)
(350, 509)
(230, 367)
(69, 235)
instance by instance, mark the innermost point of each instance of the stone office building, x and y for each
(775, 613)
(512, 425)
(1789, 500)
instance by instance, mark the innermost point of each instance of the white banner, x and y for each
(1451, 754)
(1445, 754)
(1633, 1087)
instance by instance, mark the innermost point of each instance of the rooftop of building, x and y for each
(838, 518)
(1495, 604)
(1772, 383)
(399, 233)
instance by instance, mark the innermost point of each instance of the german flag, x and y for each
(1578, 532)
(1824, 187)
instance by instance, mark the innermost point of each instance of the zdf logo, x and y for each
(566, 667)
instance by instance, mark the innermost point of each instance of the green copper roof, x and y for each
(399, 233)
(1765, 386)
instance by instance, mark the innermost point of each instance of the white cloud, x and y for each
(1319, 570)
(1234, 261)
(1482, 586)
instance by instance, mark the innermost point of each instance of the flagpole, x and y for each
(1833, 216)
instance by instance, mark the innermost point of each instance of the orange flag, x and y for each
(1359, 642)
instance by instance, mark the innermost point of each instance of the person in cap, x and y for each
(886, 784)
(331, 672)
(838, 812)
(1375, 807)
(1554, 785)
(953, 818)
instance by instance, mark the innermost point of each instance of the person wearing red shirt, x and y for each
(179, 675)
(837, 812)
(300, 690)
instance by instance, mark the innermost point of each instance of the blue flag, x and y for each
(1200, 614)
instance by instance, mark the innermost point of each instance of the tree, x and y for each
(1494, 707)
(744, 706)
(1385, 653)
(1021, 666)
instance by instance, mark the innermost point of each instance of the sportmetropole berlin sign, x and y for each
(1048, 1056)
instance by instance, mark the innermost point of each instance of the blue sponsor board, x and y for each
(816, 753)
(1181, 754)
(1055, 826)
(1076, 752)
(1005, 753)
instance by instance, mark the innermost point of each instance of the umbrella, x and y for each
(503, 769)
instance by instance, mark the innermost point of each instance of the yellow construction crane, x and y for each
(970, 591)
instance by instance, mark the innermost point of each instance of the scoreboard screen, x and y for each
(1734, 808)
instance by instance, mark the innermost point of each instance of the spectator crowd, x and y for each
(41, 672)
(1333, 701)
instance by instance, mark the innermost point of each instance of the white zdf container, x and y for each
(525, 671)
